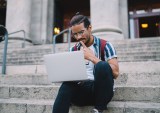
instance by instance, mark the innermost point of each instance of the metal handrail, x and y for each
(69, 40)
(5, 49)
(24, 39)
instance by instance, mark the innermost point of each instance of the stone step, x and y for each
(64, 47)
(136, 48)
(39, 56)
(133, 52)
(122, 93)
(136, 45)
(125, 43)
(24, 79)
(15, 45)
(37, 53)
(16, 70)
(29, 91)
(34, 54)
(139, 58)
(120, 54)
(124, 67)
(45, 106)
(119, 44)
(125, 107)
(141, 79)
(137, 78)
(116, 42)
(152, 49)
(25, 106)
(137, 41)
(141, 73)
(140, 67)
(122, 57)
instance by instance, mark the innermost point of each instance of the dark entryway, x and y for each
(146, 21)
(65, 9)
(2, 17)
(3, 4)
(149, 26)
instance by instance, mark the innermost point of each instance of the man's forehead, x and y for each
(77, 27)
(78, 24)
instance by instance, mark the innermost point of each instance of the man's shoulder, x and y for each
(97, 39)
(102, 42)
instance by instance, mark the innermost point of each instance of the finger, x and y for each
(84, 46)
(81, 48)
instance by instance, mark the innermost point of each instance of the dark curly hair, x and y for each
(78, 19)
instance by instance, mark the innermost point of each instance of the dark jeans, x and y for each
(98, 92)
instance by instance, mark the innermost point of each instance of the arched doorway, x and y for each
(65, 9)
(144, 16)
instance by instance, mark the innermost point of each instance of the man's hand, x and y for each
(88, 54)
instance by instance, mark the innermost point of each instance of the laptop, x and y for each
(66, 66)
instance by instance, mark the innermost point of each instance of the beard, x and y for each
(87, 41)
(84, 40)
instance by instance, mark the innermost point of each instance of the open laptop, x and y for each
(67, 66)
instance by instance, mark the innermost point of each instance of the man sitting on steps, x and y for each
(98, 91)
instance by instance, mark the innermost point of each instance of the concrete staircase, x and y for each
(25, 88)
(128, 51)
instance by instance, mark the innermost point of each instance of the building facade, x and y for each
(111, 19)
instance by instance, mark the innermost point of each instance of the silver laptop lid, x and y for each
(67, 66)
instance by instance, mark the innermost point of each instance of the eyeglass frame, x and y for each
(75, 35)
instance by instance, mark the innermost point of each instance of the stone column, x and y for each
(35, 17)
(105, 19)
(41, 21)
(123, 21)
(50, 20)
(18, 17)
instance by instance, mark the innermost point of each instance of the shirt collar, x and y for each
(95, 40)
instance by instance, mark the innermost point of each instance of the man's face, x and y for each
(80, 33)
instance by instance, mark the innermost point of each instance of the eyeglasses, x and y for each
(78, 33)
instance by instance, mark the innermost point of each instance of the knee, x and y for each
(65, 89)
(103, 66)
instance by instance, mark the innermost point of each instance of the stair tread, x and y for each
(140, 104)
(58, 84)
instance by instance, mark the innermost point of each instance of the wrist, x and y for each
(95, 60)
(91, 59)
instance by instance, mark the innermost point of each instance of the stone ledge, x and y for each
(129, 67)
(122, 93)
(45, 106)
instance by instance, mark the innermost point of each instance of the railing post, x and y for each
(5, 49)
(69, 39)
(24, 39)
(68, 36)
(54, 43)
